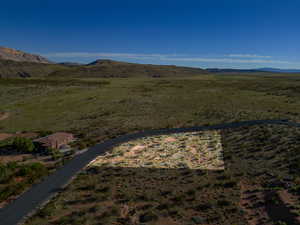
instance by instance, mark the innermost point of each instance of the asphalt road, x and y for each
(17, 211)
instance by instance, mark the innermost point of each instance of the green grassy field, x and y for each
(102, 108)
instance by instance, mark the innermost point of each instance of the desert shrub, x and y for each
(6, 142)
(103, 190)
(203, 207)
(190, 192)
(44, 133)
(46, 211)
(296, 189)
(82, 145)
(7, 170)
(33, 171)
(55, 154)
(162, 206)
(142, 88)
(12, 165)
(147, 217)
(23, 144)
(5, 193)
(230, 184)
(91, 142)
(223, 203)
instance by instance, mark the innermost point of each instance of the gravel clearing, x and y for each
(194, 150)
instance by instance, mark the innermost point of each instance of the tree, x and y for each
(54, 153)
(23, 144)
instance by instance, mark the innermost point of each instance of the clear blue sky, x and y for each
(201, 33)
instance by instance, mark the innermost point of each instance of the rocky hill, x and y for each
(19, 56)
(111, 68)
(99, 68)
(14, 63)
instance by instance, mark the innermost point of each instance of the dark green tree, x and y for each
(23, 145)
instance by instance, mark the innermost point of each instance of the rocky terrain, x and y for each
(197, 150)
(16, 55)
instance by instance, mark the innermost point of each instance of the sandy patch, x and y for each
(4, 136)
(170, 139)
(12, 158)
(194, 150)
(4, 115)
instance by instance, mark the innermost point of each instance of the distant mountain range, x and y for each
(15, 63)
(269, 70)
(70, 64)
(276, 70)
(216, 70)
(111, 68)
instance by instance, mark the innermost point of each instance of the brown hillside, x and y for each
(16, 55)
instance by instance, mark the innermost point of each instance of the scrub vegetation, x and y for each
(22, 164)
(97, 109)
(16, 177)
(103, 108)
(260, 185)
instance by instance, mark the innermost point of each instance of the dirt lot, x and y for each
(197, 150)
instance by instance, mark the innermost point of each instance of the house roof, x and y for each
(56, 138)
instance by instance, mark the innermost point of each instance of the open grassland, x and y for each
(102, 108)
(260, 185)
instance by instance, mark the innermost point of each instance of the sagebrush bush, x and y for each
(23, 145)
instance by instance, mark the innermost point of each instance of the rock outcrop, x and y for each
(19, 56)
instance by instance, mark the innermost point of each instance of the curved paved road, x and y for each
(39, 194)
